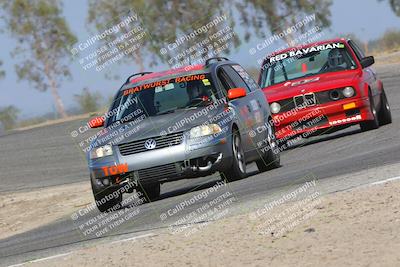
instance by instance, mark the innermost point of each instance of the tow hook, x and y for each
(208, 166)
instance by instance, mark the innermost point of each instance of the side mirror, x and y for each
(96, 122)
(367, 61)
(235, 93)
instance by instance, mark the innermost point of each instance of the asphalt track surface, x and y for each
(49, 156)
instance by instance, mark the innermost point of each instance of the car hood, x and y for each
(147, 127)
(310, 84)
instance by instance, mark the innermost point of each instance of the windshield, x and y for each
(306, 62)
(165, 96)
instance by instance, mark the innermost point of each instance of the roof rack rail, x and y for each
(137, 74)
(215, 58)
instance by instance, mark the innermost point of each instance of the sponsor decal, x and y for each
(304, 51)
(114, 170)
(165, 82)
(354, 118)
(206, 82)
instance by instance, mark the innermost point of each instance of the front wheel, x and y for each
(372, 124)
(270, 156)
(238, 168)
(385, 115)
(107, 199)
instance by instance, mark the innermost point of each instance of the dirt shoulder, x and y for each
(353, 228)
(388, 58)
(23, 211)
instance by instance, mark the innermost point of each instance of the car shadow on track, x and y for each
(197, 187)
(179, 191)
(193, 188)
(188, 189)
(324, 138)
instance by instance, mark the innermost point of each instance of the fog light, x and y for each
(106, 182)
(275, 107)
(348, 91)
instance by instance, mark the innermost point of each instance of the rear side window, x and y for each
(235, 78)
(225, 81)
(246, 77)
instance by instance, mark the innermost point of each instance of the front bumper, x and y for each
(190, 159)
(322, 116)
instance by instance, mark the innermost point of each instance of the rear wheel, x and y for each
(270, 158)
(151, 191)
(372, 124)
(238, 168)
(385, 116)
(107, 199)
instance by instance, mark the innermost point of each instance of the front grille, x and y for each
(161, 142)
(302, 101)
(287, 104)
(310, 99)
(159, 172)
(298, 100)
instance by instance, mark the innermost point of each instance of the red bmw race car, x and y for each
(321, 86)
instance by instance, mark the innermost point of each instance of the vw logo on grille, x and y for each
(150, 144)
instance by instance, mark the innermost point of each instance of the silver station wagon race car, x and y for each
(178, 124)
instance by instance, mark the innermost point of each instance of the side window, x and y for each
(246, 77)
(235, 78)
(359, 53)
(225, 81)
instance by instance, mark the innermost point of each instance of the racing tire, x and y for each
(237, 170)
(372, 124)
(102, 203)
(270, 158)
(151, 191)
(384, 115)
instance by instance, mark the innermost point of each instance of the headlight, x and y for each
(99, 152)
(275, 107)
(204, 130)
(348, 91)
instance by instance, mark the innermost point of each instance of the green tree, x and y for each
(44, 39)
(279, 15)
(395, 5)
(163, 21)
(2, 72)
(8, 117)
(107, 13)
(183, 18)
(88, 102)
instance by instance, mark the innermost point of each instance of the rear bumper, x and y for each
(311, 119)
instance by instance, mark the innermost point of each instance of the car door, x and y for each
(245, 107)
(259, 105)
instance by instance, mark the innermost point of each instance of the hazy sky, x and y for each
(367, 18)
